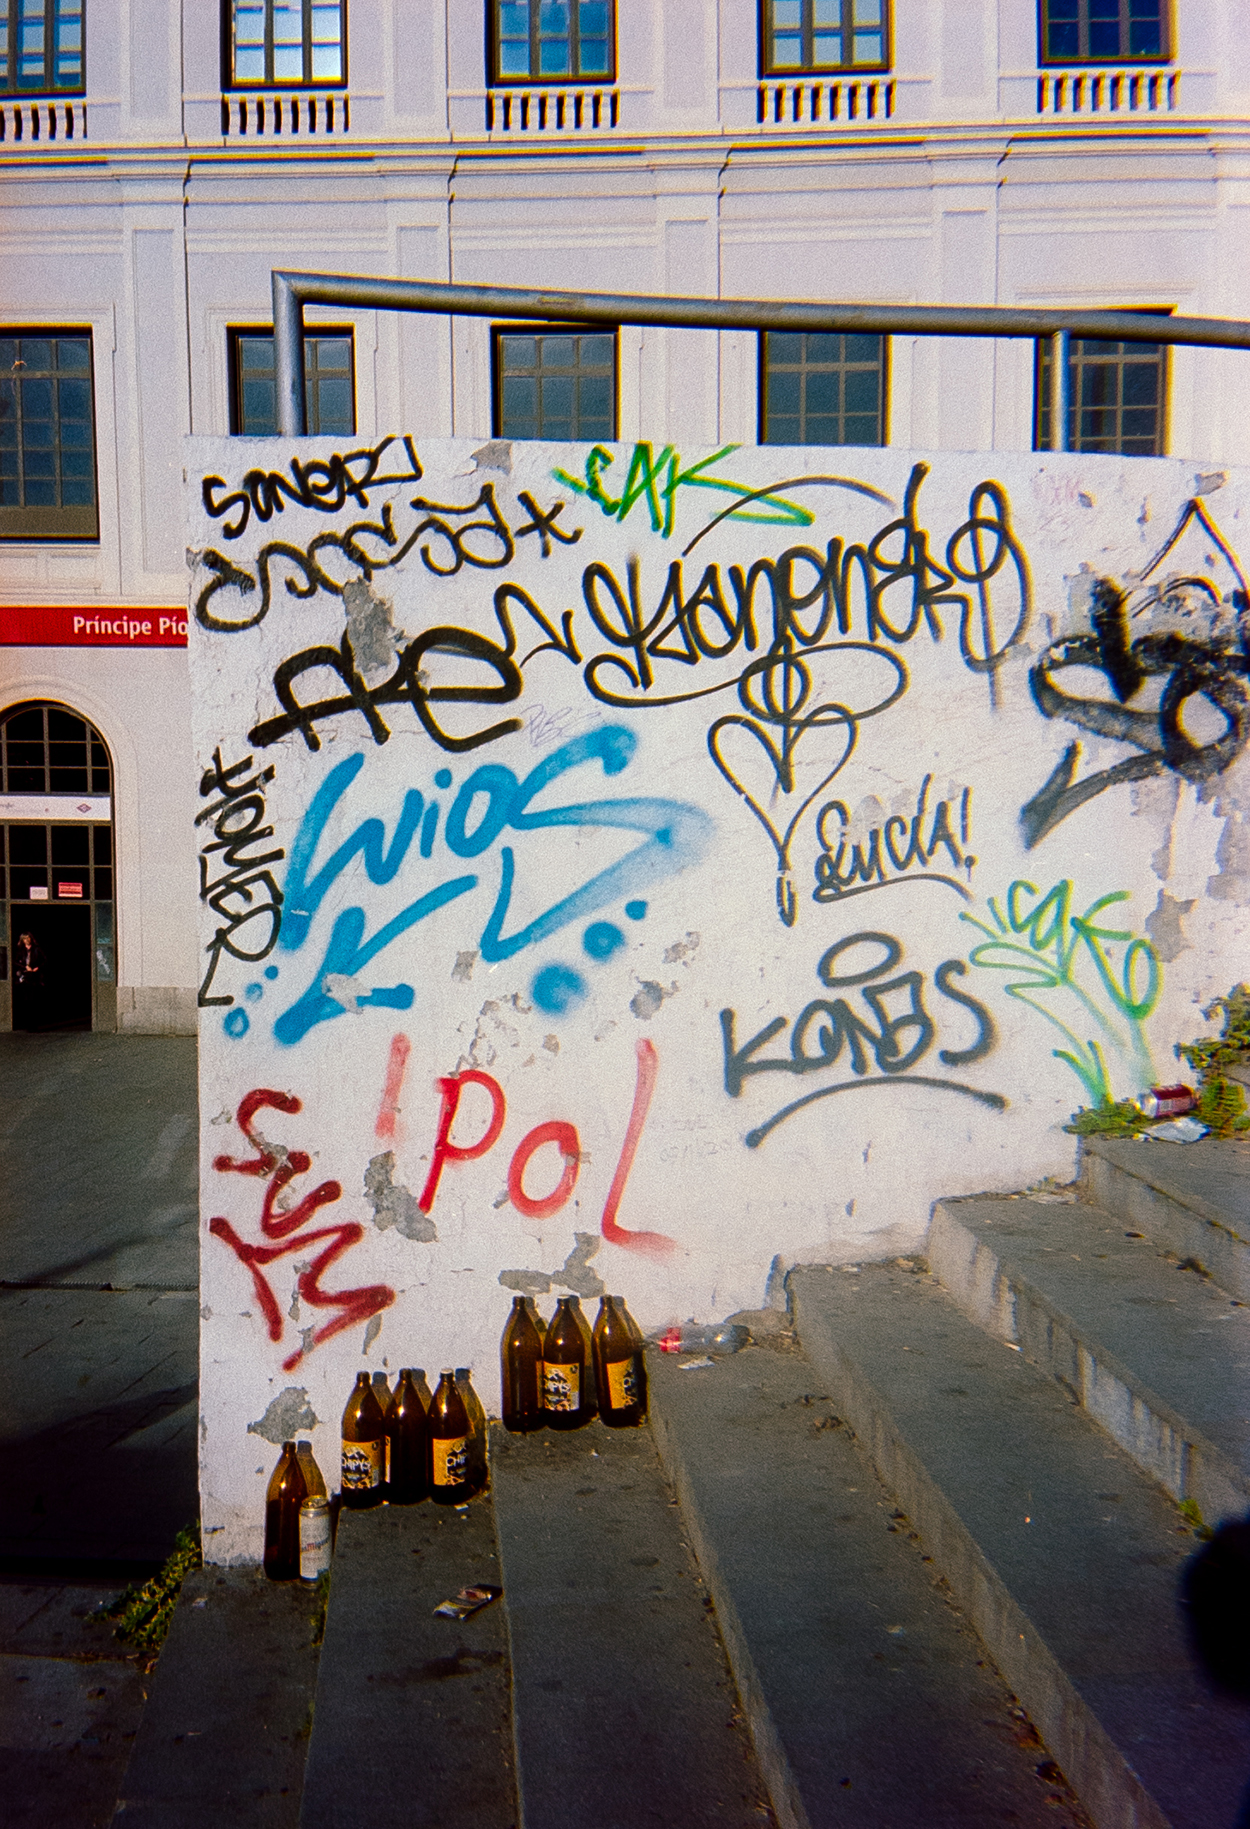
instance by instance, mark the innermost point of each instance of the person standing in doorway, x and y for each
(30, 973)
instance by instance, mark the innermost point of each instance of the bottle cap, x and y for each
(363, 1378)
(286, 1445)
(464, 1371)
(447, 1372)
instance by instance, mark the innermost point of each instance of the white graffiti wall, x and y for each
(643, 869)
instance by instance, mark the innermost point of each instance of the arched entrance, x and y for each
(57, 932)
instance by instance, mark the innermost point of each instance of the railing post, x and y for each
(288, 358)
(1059, 390)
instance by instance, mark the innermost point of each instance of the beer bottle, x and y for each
(364, 1447)
(520, 1364)
(450, 1438)
(286, 1494)
(619, 1372)
(313, 1477)
(566, 1368)
(407, 1449)
(422, 1384)
(479, 1476)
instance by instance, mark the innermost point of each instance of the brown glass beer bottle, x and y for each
(619, 1373)
(286, 1494)
(521, 1370)
(479, 1472)
(364, 1447)
(313, 1477)
(451, 1435)
(567, 1374)
(407, 1448)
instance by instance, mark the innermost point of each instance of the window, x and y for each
(41, 47)
(541, 41)
(47, 750)
(329, 383)
(1117, 394)
(1103, 31)
(821, 388)
(47, 436)
(825, 35)
(277, 42)
(555, 384)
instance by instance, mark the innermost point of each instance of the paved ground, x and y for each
(98, 1360)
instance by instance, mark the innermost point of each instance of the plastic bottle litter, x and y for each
(1179, 1130)
(719, 1337)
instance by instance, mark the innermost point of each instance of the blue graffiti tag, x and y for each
(677, 835)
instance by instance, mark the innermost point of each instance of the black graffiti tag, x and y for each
(245, 890)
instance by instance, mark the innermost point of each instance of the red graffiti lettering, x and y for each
(565, 1137)
(650, 1244)
(280, 1166)
(447, 1151)
(396, 1067)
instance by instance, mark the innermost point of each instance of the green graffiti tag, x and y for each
(656, 480)
(1111, 975)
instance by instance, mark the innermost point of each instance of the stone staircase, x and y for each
(909, 1563)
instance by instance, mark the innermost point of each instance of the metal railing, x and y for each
(292, 291)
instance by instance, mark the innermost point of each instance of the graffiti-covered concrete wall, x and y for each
(646, 869)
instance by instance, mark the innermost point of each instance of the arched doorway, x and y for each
(57, 900)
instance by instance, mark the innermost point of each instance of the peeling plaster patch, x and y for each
(606, 1029)
(293, 1310)
(1232, 880)
(1086, 501)
(500, 1200)
(306, 1338)
(482, 1052)
(289, 1412)
(206, 1313)
(462, 970)
(1208, 481)
(682, 949)
(551, 1043)
(525, 1282)
(371, 1333)
(494, 456)
(648, 998)
(395, 1206)
(372, 630)
(344, 990)
(1164, 926)
(575, 1273)
(223, 1117)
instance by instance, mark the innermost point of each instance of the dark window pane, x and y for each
(28, 844)
(103, 885)
(784, 393)
(559, 385)
(102, 844)
(71, 844)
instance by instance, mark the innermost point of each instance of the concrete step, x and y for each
(624, 1708)
(1063, 1554)
(1191, 1198)
(870, 1699)
(1157, 1354)
(224, 1734)
(411, 1725)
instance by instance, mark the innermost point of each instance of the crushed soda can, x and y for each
(469, 1600)
(1167, 1101)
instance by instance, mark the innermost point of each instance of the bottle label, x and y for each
(387, 1461)
(362, 1466)
(451, 1461)
(561, 1386)
(622, 1384)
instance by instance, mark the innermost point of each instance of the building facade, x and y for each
(160, 157)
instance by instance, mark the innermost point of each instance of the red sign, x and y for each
(131, 626)
(73, 890)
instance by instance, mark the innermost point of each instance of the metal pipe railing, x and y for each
(292, 291)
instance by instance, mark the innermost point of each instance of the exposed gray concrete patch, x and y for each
(371, 1333)
(526, 1282)
(648, 998)
(1208, 481)
(1232, 879)
(395, 1206)
(1164, 926)
(681, 949)
(575, 1273)
(288, 1414)
(551, 1043)
(370, 624)
(462, 970)
(495, 456)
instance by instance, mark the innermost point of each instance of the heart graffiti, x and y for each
(774, 692)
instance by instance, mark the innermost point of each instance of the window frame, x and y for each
(496, 80)
(231, 84)
(1041, 403)
(777, 73)
(10, 85)
(883, 398)
(33, 533)
(235, 333)
(497, 336)
(1046, 61)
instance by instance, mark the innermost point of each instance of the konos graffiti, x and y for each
(540, 790)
